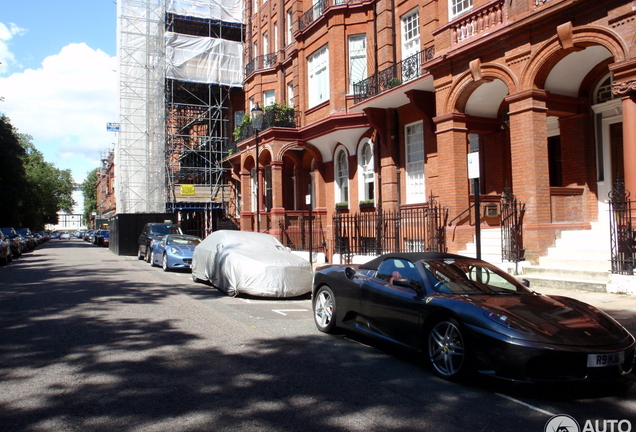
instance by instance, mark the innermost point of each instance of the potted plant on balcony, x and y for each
(239, 130)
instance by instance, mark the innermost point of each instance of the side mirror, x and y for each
(349, 273)
(407, 283)
(525, 282)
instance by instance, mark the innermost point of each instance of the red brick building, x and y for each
(389, 97)
(106, 188)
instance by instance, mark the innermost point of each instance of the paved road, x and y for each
(91, 341)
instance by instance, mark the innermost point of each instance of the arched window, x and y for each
(366, 167)
(342, 177)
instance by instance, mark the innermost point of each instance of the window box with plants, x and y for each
(367, 204)
(342, 206)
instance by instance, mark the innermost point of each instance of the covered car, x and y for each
(257, 264)
(174, 251)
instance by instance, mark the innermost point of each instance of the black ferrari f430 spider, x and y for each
(466, 315)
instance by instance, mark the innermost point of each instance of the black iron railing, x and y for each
(286, 118)
(317, 9)
(296, 229)
(261, 62)
(511, 215)
(622, 235)
(419, 229)
(393, 76)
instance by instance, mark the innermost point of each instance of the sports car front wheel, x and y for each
(325, 310)
(447, 350)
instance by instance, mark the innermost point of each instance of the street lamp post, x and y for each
(257, 124)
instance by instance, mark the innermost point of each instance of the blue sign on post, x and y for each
(112, 127)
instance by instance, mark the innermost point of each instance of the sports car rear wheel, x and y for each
(325, 310)
(447, 350)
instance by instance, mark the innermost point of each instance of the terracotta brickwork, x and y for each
(522, 81)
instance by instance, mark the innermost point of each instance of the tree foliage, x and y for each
(35, 189)
(89, 190)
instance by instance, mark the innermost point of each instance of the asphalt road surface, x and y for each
(92, 341)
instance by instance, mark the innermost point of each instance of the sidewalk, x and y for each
(620, 306)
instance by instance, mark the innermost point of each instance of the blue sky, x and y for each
(58, 80)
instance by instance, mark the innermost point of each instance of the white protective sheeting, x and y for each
(243, 262)
(224, 10)
(204, 60)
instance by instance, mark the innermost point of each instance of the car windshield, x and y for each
(466, 276)
(183, 241)
(165, 229)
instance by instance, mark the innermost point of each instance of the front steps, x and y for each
(579, 260)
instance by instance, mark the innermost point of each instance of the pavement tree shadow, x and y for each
(133, 372)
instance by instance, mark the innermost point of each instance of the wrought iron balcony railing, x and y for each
(261, 62)
(284, 118)
(318, 9)
(393, 76)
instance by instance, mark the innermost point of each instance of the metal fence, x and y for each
(303, 232)
(622, 236)
(511, 219)
(403, 230)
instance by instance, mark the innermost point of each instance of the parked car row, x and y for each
(13, 243)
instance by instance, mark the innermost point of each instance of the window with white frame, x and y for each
(290, 27)
(269, 98)
(318, 79)
(366, 170)
(414, 140)
(458, 7)
(357, 59)
(342, 176)
(254, 7)
(254, 187)
(410, 34)
(275, 38)
(290, 94)
(265, 43)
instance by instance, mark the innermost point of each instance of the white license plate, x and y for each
(605, 360)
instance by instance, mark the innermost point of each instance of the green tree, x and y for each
(89, 190)
(49, 188)
(12, 178)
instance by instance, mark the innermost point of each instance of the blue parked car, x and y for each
(174, 251)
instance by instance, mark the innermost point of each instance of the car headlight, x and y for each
(175, 251)
(506, 321)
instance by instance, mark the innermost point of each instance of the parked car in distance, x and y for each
(14, 240)
(98, 237)
(174, 251)
(28, 235)
(243, 262)
(152, 232)
(5, 249)
(65, 235)
(106, 239)
(466, 316)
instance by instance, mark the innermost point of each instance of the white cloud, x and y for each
(7, 33)
(65, 106)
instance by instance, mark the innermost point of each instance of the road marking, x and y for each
(525, 404)
(282, 311)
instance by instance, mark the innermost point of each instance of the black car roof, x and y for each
(411, 256)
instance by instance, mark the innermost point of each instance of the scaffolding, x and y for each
(175, 129)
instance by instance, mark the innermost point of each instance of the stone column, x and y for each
(452, 149)
(530, 168)
(625, 87)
